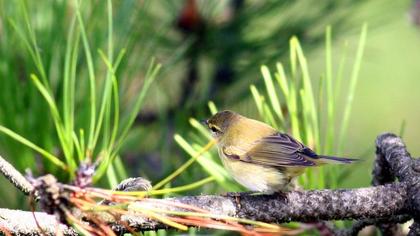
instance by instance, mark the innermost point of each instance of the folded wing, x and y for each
(279, 150)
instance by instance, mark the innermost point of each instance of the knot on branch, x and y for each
(52, 197)
(391, 152)
(393, 161)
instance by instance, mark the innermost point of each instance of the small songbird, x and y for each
(258, 156)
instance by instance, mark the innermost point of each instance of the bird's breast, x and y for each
(255, 177)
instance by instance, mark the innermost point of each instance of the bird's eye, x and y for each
(214, 129)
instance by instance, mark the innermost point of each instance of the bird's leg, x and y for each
(237, 196)
(293, 185)
(281, 194)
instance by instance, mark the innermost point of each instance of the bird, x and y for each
(258, 156)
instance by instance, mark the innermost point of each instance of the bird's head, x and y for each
(220, 123)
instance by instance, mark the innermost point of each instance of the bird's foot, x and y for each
(281, 195)
(236, 196)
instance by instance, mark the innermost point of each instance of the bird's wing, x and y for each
(278, 150)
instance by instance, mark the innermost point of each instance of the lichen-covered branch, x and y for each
(383, 174)
(19, 222)
(304, 206)
(391, 150)
(392, 162)
(15, 177)
(385, 204)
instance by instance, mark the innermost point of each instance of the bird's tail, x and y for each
(336, 160)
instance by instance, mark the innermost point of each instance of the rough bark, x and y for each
(385, 204)
(305, 206)
(24, 223)
(392, 162)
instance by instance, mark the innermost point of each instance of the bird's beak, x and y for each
(204, 122)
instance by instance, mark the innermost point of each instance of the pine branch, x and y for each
(302, 206)
(386, 203)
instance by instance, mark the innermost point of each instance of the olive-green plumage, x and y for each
(258, 156)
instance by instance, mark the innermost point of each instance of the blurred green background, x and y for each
(386, 97)
(209, 51)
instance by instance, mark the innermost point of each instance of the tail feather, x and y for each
(336, 160)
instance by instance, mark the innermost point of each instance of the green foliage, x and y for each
(304, 106)
(76, 73)
(294, 106)
(105, 131)
(208, 161)
(69, 66)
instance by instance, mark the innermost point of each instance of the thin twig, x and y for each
(15, 177)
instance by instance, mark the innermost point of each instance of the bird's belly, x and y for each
(256, 178)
